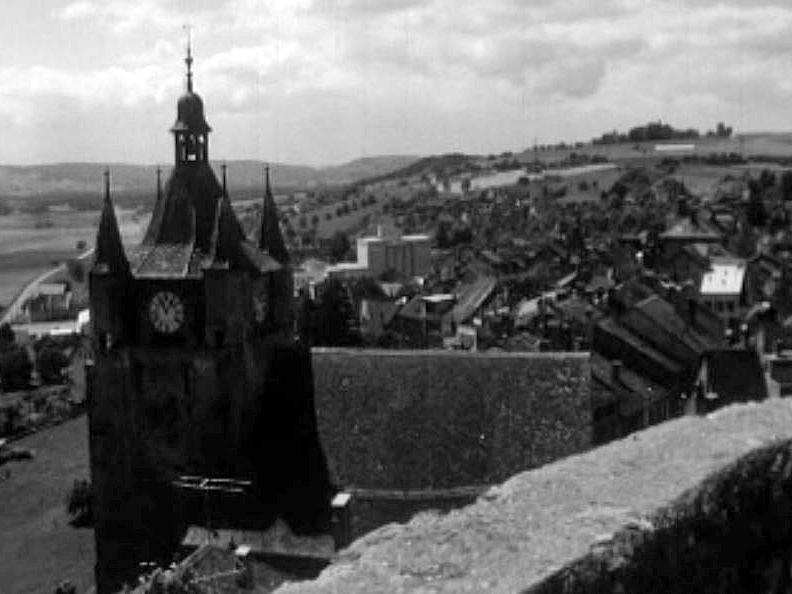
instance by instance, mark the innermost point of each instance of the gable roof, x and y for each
(687, 230)
(472, 297)
(631, 390)
(658, 322)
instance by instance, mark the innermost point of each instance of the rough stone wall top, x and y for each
(437, 419)
(523, 532)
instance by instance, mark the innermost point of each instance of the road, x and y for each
(29, 290)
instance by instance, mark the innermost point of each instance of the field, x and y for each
(750, 145)
(39, 548)
(346, 223)
(31, 244)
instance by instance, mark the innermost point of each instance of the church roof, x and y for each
(191, 193)
(193, 226)
(110, 256)
(190, 115)
(270, 237)
(190, 108)
(165, 261)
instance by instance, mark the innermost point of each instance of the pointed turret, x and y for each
(270, 238)
(110, 256)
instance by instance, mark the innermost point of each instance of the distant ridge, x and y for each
(72, 178)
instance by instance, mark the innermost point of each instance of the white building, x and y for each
(723, 285)
(388, 250)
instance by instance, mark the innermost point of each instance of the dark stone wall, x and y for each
(436, 419)
(156, 414)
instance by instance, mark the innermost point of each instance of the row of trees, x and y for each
(341, 210)
(16, 364)
(660, 131)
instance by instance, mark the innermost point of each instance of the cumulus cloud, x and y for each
(423, 75)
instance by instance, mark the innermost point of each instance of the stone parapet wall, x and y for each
(698, 504)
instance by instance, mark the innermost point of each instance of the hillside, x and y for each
(75, 178)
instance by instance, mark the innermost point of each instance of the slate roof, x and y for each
(630, 389)
(659, 324)
(657, 363)
(192, 226)
(191, 192)
(165, 261)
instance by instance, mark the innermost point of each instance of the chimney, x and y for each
(245, 578)
(341, 518)
(616, 367)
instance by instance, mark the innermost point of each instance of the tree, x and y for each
(756, 213)
(81, 245)
(443, 235)
(333, 319)
(7, 336)
(15, 367)
(767, 179)
(339, 246)
(314, 220)
(79, 503)
(76, 270)
(786, 185)
(50, 362)
(302, 222)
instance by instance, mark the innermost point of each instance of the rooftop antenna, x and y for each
(206, 486)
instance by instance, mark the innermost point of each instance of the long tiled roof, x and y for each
(165, 261)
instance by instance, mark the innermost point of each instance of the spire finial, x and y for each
(189, 59)
(267, 188)
(225, 189)
(107, 184)
(159, 183)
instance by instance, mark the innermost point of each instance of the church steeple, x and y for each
(190, 132)
(270, 238)
(189, 60)
(110, 256)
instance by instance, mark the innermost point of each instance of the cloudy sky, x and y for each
(324, 81)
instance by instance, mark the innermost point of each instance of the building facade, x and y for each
(387, 251)
(194, 370)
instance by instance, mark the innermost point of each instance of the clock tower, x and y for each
(195, 371)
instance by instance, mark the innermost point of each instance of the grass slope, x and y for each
(38, 547)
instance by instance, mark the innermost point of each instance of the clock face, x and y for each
(260, 306)
(166, 312)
